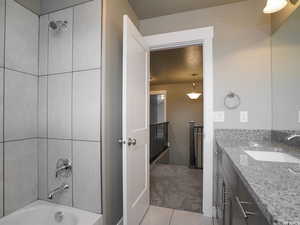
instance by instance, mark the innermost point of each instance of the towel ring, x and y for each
(232, 101)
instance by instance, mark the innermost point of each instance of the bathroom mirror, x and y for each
(286, 74)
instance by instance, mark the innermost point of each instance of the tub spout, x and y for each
(58, 190)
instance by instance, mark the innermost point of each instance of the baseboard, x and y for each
(120, 222)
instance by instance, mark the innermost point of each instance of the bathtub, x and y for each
(45, 213)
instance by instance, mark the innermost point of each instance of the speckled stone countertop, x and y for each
(273, 186)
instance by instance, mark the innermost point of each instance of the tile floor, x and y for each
(165, 216)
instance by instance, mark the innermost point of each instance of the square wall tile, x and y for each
(2, 27)
(43, 45)
(87, 176)
(59, 149)
(21, 179)
(42, 168)
(59, 106)
(1, 104)
(42, 109)
(20, 105)
(87, 36)
(22, 38)
(86, 105)
(60, 43)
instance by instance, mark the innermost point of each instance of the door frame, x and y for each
(201, 36)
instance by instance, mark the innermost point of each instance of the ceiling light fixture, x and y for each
(273, 6)
(194, 95)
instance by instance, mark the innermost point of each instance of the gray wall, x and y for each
(181, 110)
(285, 74)
(242, 56)
(112, 107)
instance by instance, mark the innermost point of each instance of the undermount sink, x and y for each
(272, 157)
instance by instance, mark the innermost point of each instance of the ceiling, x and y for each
(176, 65)
(153, 8)
(42, 7)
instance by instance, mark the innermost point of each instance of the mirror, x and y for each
(286, 74)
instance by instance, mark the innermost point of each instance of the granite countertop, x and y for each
(273, 186)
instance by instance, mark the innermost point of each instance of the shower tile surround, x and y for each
(19, 85)
(69, 104)
(50, 95)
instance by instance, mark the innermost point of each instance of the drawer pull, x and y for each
(245, 213)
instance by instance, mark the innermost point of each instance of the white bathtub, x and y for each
(43, 213)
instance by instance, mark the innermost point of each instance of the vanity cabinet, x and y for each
(234, 203)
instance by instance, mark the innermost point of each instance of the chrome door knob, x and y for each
(131, 141)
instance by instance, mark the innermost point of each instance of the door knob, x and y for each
(131, 141)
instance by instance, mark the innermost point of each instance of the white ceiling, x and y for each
(153, 8)
(176, 65)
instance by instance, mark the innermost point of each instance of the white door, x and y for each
(135, 125)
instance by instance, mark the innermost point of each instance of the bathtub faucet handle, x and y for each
(63, 168)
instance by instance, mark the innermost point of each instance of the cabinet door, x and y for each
(227, 203)
(220, 197)
(236, 213)
(254, 214)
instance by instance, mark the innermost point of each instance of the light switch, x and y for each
(298, 116)
(244, 117)
(219, 116)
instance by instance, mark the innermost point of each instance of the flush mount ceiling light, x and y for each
(273, 6)
(194, 95)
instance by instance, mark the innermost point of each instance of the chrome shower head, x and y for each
(58, 25)
(53, 25)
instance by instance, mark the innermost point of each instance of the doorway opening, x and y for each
(136, 119)
(176, 128)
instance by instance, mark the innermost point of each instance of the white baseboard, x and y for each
(120, 222)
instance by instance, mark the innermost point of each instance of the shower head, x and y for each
(53, 25)
(58, 25)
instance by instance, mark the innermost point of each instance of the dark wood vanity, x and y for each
(234, 203)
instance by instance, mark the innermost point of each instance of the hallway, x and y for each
(164, 216)
(176, 187)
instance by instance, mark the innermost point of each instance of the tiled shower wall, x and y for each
(50, 85)
(69, 104)
(18, 104)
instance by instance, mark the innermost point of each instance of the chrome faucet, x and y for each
(293, 136)
(58, 190)
(63, 168)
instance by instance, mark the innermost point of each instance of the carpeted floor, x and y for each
(176, 187)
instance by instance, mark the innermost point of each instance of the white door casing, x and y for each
(135, 125)
(200, 36)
